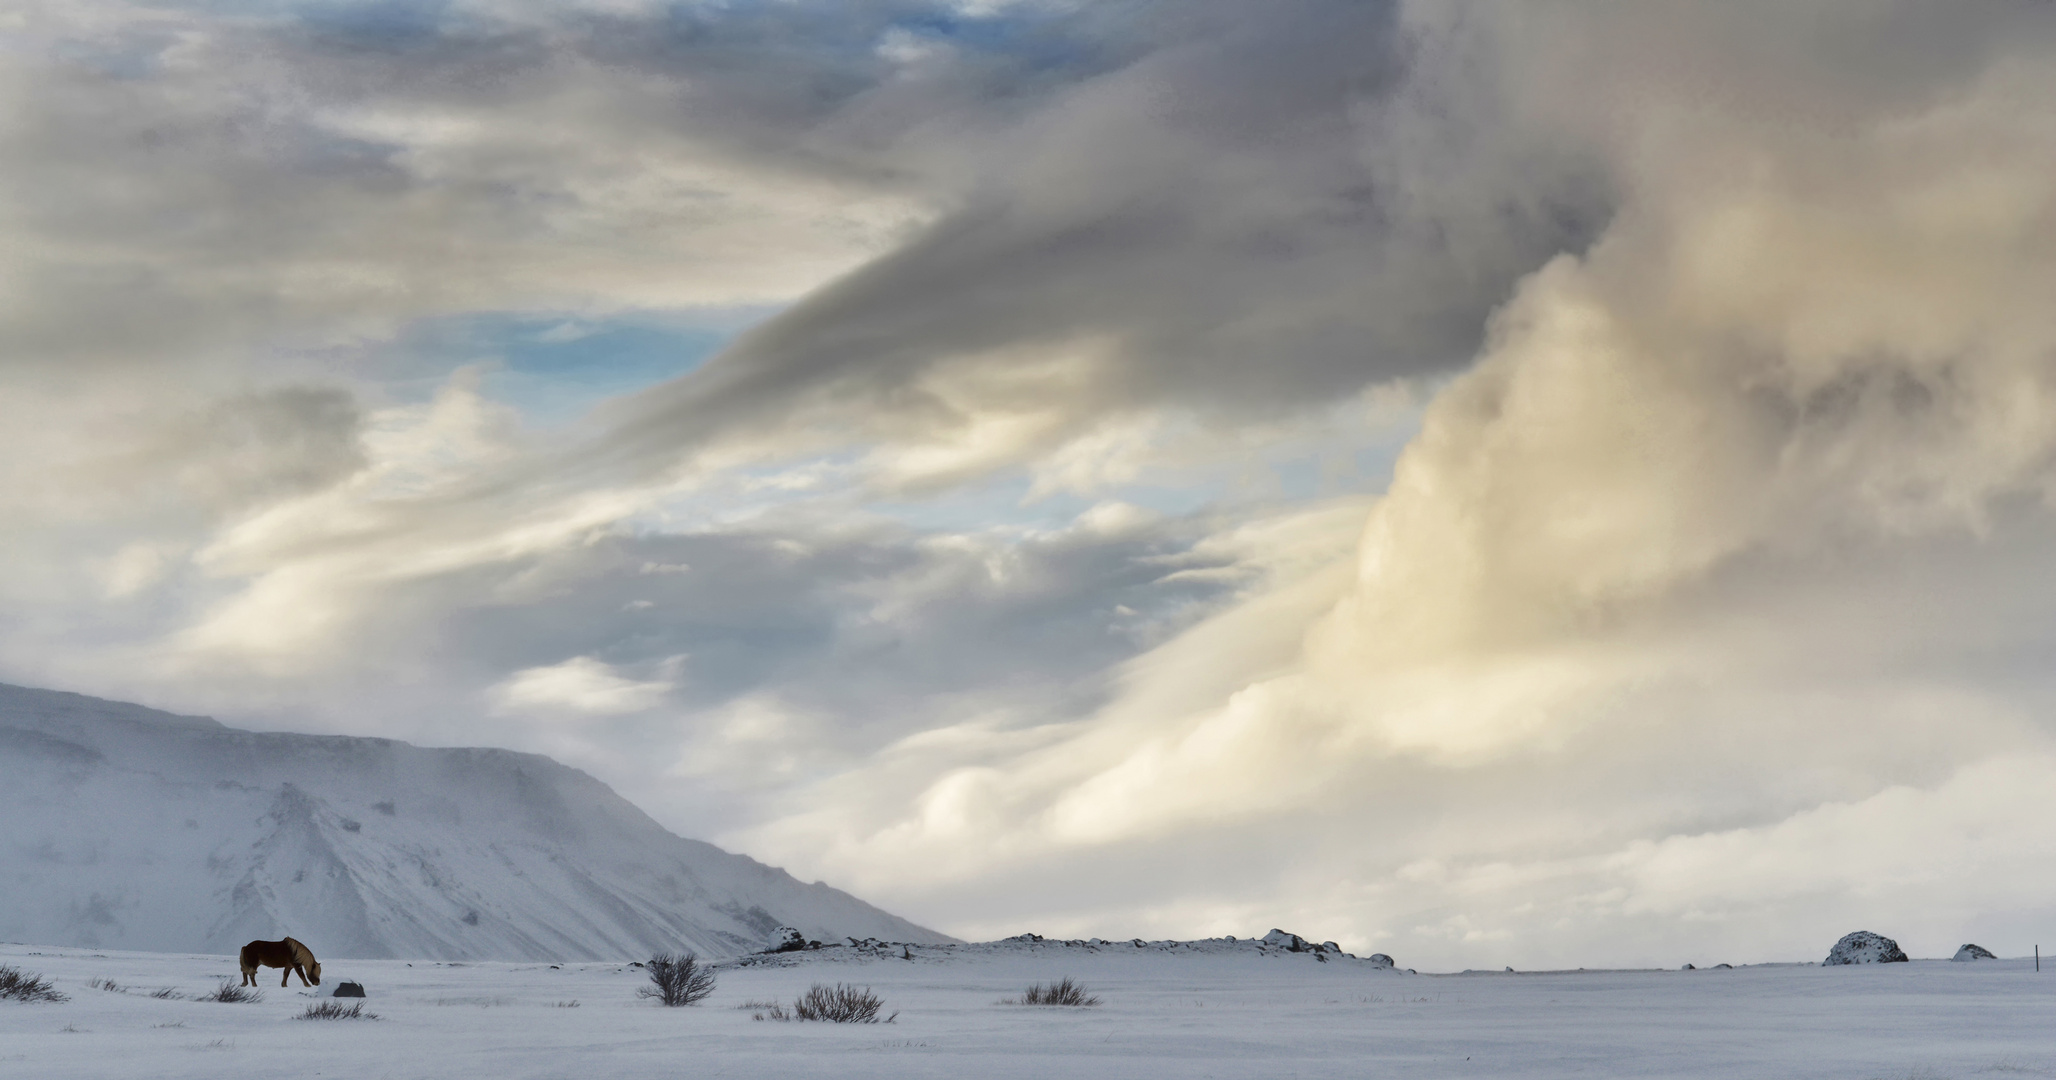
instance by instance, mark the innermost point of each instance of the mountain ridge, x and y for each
(133, 828)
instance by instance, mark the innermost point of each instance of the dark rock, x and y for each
(1688, 967)
(349, 989)
(1723, 967)
(1864, 947)
(1378, 960)
(787, 939)
(1973, 952)
(1279, 939)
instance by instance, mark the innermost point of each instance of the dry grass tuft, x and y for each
(336, 1010)
(232, 994)
(1062, 992)
(839, 1004)
(19, 985)
(677, 979)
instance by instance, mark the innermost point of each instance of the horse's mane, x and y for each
(302, 955)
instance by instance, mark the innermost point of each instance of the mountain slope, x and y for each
(128, 828)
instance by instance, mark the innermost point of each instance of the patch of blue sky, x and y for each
(1008, 502)
(1347, 454)
(553, 368)
(382, 24)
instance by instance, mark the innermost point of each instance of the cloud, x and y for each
(1809, 333)
(1035, 534)
(581, 686)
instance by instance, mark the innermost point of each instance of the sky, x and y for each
(1531, 483)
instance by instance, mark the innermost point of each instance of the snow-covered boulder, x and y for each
(348, 989)
(1864, 947)
(1279, 939)
(787, 939)
(1973, 952)
(1378, 960)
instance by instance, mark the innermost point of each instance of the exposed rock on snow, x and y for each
(128, 828)
(349, 989)
(1864, 947)
(1973, 952)
(1279, 939)
(787, 939)
(1276, 945)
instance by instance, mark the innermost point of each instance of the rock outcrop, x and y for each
(1290, 942)
(1973, 952)
(1279, 939)
(1864, 947)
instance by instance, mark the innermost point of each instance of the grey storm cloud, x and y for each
(1243, 218)
(1218, 206)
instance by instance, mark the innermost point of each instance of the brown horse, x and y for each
(287, 954)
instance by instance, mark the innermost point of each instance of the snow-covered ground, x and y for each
(129, 828)
(1167, 1013)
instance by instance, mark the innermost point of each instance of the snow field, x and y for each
(1167, 1014)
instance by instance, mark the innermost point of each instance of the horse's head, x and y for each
(314, 972)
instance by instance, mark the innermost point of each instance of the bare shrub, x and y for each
(336, 1010)
(1064, 991)
(231, 993)
(168, 994)
(19, 985)
(839, 1004)
(677, 979)
(108, 985)
(572, 1004)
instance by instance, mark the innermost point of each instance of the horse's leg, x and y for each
(302, 973)
(285, 976)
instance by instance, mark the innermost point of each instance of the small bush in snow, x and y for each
(336, 1010)
(231, 993)
(20, 985)
(167, 994)
(677, 980)
(108, 985)
(839, 1004)
(1062, 992)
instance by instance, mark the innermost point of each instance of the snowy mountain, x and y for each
(126, 828)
